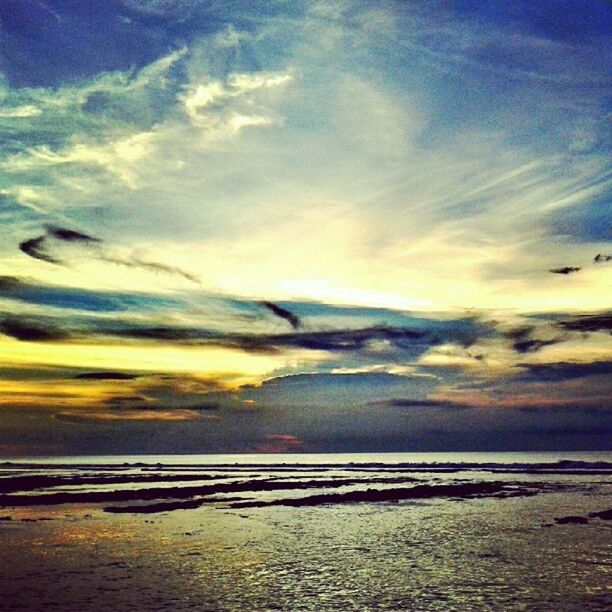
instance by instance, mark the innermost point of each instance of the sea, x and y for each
(316, 532)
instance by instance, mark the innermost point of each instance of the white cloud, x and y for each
(221, 109)
(117, 157)
(20, 112)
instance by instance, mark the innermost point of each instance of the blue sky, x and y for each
(322, 211)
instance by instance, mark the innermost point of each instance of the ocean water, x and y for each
(320, 458)
(406, 531)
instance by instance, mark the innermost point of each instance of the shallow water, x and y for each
(319, 458)
(443, 552)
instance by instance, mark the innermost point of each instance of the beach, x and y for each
(290, 535)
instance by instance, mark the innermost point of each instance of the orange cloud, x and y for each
(279, 443)
(130, 415)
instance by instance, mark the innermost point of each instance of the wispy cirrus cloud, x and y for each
(223, 109)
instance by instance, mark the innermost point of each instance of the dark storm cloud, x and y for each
(45, 328)
(423, 403)
(348, 340)
(532, 345)
(105, 376)
(68, 235)
(565, 270)
(408, 334)
(589, 323)
(36, 248)
(405, 333)
(206, 406)
(41, 247)
(119, 400)
(335, 341)
(10, 282)
(598, 259)
(564, 370)
(39, 372)
(283, 313)
(381, 343)
(523, 341)
(30, 329)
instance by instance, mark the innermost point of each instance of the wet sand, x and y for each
(305, 538)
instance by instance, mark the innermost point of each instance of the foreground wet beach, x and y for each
(512, 536)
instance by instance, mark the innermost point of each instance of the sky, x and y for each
(304, 226)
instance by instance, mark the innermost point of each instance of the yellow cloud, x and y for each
(232, 367)
(131, 415)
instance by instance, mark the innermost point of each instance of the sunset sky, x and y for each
(304, 226)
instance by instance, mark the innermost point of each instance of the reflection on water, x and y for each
(319, 458)
(487, 553)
